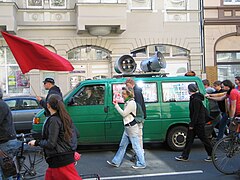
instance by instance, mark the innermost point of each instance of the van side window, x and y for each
(89, 95)
(149, 91)
(175, 91)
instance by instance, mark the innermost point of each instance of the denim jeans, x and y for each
(126, 139)
(224, 121)
(9, 147)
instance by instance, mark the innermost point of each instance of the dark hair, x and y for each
(206, 82)
(56, 103)
(228, 83)
(217, 83)
(237, 77)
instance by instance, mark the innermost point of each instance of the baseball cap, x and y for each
(51, 80)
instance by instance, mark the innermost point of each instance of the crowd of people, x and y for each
(59, 136)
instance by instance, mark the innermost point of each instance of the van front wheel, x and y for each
(176, 138)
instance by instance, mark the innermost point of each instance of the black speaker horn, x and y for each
(154, 63)
(125, 64)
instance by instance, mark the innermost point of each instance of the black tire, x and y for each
(226, 156)
(176, 138)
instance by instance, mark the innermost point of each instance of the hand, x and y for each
(115, 102)
(32, 143)
(207, 95)
(38, 98)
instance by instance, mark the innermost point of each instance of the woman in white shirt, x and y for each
(130, 133)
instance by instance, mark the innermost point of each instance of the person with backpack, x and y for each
(58, 141)
(131, 131)
(138, 97)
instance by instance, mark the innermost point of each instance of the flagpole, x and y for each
(33, 89)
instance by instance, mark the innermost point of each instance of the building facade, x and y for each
(222, 40)
(93, 34)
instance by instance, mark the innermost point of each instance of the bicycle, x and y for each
(226, 152)
(27, 158)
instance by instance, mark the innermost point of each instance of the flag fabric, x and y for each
(30, 55)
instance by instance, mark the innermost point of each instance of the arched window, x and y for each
(88, 53)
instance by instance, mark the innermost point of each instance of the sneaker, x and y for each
(138, 167)
(112, 164)
(208, 159)
(133, 158)
(181, 158)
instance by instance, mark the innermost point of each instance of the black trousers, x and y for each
(200, 132)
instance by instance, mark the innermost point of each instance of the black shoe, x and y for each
(133, 158)
(181, 158)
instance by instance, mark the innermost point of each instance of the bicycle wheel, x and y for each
(33, 165)
(225, 155)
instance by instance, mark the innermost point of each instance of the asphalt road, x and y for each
(160, 165)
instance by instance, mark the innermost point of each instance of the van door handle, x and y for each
(106, 109)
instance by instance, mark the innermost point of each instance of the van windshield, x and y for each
(65, 95)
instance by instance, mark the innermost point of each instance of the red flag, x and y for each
(30, 55)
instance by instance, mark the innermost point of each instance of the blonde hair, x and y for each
(129, 91)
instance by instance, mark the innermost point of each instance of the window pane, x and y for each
(89, 95)
(174, 92)
(228, 72)
(58, 3)
(228, 56)
(11, 104)
(176, 51)
(35, 3)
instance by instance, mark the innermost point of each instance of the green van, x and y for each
(98, 122)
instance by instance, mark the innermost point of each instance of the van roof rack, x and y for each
(148, 74)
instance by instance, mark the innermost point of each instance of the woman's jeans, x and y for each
(130, 134)
(9, 147)
(222, 126)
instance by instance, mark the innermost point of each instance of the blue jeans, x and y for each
(9, 147)
(126, 139)
(223, 122)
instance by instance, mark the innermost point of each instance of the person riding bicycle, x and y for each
(58, 142)
(8, 141)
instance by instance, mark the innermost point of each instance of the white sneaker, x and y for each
(112, 164)
(138, 167)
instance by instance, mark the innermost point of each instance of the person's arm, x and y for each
(216, 98)
(232, 109)
(217, 94)
(127, 110)
(196, 107)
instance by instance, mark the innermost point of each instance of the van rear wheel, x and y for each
(176, 138)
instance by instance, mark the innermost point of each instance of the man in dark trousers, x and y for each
(196, 125)
(8, 141)
(138, 97)
(49, 84)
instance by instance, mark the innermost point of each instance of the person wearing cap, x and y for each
(196, 125)
(49, 84)
(8, 141)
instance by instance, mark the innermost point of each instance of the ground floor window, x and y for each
(12, 81)
(228, 65)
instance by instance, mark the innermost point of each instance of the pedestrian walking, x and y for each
(58, 142)
(131, 131)
(196, 125)
(49, 84)
(8, 141)
(138, 97)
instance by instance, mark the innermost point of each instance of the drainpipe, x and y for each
(201, 6)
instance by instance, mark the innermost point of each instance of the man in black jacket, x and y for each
(49, 84)
(138, 97)
(8, 141)
(196, 125)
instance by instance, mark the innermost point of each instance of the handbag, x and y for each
(7, 164)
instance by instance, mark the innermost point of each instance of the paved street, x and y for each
(160, 161)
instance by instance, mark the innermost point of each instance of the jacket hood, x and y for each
(197, 96)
